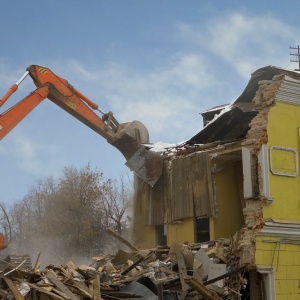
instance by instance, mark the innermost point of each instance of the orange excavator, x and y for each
(129, 138)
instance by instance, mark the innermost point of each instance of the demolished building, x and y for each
(237, 178)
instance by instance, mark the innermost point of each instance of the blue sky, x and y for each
(159, 62)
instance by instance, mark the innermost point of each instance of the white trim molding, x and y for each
(268, 282)
(280, 228)
(292, 173)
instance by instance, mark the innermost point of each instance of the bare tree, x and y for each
(69, 216)
(117, 198)
(26, 216)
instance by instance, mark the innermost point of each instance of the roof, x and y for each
(233, 121)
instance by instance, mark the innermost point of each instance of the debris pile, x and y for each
(177, 271)
(22, 261)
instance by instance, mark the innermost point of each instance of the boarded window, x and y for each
(184, 190)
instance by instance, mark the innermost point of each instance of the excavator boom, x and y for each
(128, 138)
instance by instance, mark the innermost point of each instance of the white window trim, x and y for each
(264, 165)
(269, 281)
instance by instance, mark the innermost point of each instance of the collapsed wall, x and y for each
(256, 138)
(246, 125)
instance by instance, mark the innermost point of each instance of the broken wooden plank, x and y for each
(65, 273)
(72, 268)
(121, 295)
(37, 263)
(182, 272)
(132, 266)
(117, 236)
(60, 293)
(96, 288)
(13, 288)
(108, 297)
(81, 288)
(43, 291)
(201, 289)
(122, 257)
(16, 268)
(224, 276)
(52, 277)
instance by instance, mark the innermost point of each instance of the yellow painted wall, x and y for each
(181, 232)
(143, 237)
(230, 216)
(282, 129)
(228, 221)
(286, 266)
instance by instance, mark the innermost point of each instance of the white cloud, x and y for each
(246, 42)
(29, 154)
(165, 100)
(168, 98)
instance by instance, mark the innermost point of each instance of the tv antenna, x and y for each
(297, 55)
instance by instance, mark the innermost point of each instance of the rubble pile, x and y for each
(177, 271)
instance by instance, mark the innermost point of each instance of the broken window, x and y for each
(161, 234)
(202, 229)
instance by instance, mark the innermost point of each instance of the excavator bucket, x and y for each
(129, 140)
(146, 164)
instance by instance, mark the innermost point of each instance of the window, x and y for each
(202, 229)
(161, 234)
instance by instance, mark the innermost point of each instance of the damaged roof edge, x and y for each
(233, 121)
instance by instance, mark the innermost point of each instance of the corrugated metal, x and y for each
(181, 188)
(204, 200)
(184, 190)
(289, 91)
(157, 204)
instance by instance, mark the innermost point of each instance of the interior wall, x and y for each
(181, 231)
(229, 208)
(143, 237)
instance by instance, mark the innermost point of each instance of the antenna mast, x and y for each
(296, 54)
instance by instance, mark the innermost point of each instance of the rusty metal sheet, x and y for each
(146, 164)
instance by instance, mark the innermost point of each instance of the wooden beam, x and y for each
(43, 291)
(201, 289)
(182, 272)
(13, 288)
(132, 266)
(61, 286)
(229, 274)
(117, 236)
(96, 288)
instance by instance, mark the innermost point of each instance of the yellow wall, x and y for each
(286, 267)
(228, 221)
(230, 216)
(282, 128)
(181, 232)
(144, 237)
(283, 131)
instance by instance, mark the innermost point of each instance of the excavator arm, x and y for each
(128, 138)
